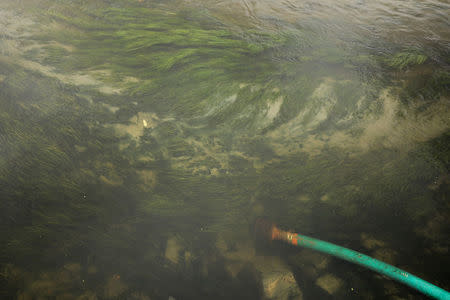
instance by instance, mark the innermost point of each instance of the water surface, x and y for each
(139, 140)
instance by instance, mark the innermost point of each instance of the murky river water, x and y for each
(139, 140)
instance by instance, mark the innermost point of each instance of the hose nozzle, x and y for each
(267, 230)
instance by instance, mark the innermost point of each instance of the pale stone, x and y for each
(24, 295)
(173, 248)
(281, 286)
(329, 283)
(112, 180)
(325, 198)
(303, 198)
(114, 287)
(73, 267)
(274, 108)
(44, 288)
(66, 296)
(258, 209)
(215, 172)
(385, 255)
(111, 108)
(138, 296)
(80, 149)
(370, 242)
(89, 295)
(310, 262)
(148, 178)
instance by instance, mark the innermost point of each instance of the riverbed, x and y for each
(140, 140)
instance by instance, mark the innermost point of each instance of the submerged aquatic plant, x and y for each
(178, 60)
(84, 190)
(403, 60)
(146, 42)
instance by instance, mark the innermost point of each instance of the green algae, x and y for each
(98, 200)
(440, 152)
(42, 160)
(181, 59)
(143, 42)
(403, 60)
(430, 85)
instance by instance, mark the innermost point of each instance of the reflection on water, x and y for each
(357, 23)
(139, 140)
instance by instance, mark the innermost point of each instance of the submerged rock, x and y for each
(386, 255)
(80, 149)
(24, 295)
(114, 287)
(310, 262)
(148, 178)
(274, 108)
(138, 296)
(370, 242)
(114, 180)
(89, 295)
(46, 288)
(74, 268)
(281, 285)
(173, 249)
(277, 279)
(329, 283)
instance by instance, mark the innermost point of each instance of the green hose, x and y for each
(371, 263)
(268, 231)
